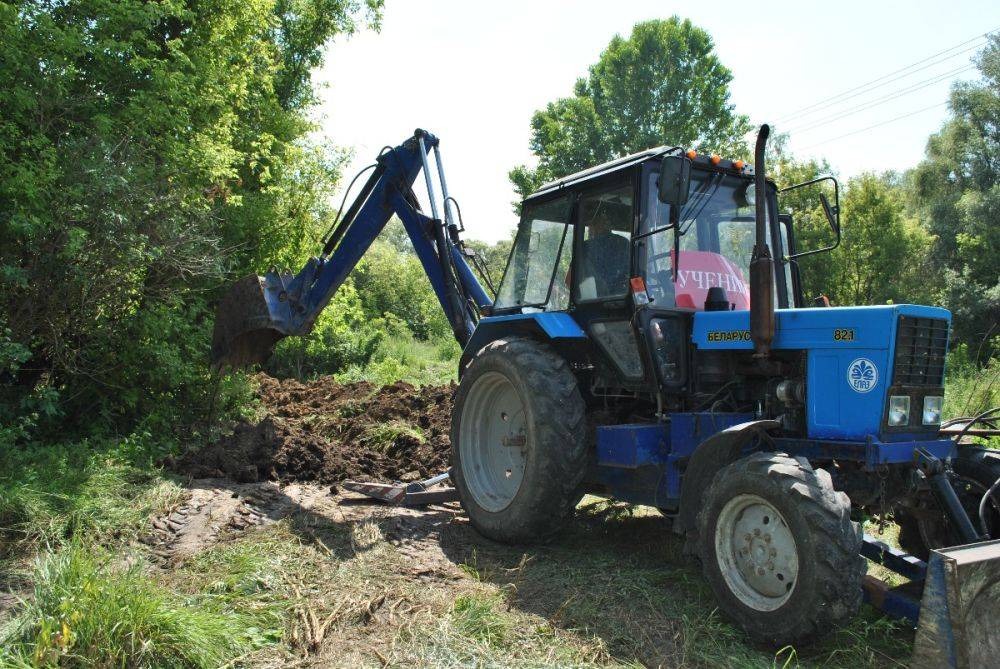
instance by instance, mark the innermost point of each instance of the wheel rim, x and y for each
(493, 441)
(756, 552)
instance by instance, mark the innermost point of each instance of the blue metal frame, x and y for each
(834, 340)
(643, 463)
(871, 452)
(295, 302)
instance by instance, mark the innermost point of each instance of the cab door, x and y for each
(664, 325)
(605, 217)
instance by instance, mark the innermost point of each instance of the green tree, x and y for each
(661, 85)
(883, 254)
(956, 194)
(149, 153)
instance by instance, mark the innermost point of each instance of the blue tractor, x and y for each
(649, 342)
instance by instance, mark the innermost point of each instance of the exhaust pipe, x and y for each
(761, 262)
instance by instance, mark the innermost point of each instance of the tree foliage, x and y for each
(956, 193)
(149, 151)
(661, 85)
(882, 257)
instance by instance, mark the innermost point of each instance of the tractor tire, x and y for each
(779, 550)
(975, 470)
(519, 452)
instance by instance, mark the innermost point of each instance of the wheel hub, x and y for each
(493, 441)
(756, 552)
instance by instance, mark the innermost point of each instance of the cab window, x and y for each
(717, 237)
(543, 237)
(605, 218)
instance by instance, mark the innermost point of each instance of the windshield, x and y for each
(716, 243)
(543, 237)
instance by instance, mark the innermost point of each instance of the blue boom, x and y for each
(259, 311)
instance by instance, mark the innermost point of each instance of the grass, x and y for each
(612, 590)
(477, 617)
(383, 436)
(971, 389)
(51, 493)
(89, 609)
(620, 578)
(402, 357)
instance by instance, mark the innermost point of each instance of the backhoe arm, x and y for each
(258, 311)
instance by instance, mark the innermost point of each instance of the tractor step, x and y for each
(412, 494)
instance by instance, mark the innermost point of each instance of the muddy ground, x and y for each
(327, 432)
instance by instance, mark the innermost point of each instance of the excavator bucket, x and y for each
(960, 609)
(245, 330)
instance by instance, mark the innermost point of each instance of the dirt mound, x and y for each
(328, 432)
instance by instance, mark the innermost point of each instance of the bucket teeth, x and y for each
(244, 332)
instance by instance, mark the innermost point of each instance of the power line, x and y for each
(869, 89)
(877, 125)
(840, 96)
(844, 113)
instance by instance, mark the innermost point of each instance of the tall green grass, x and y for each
(53, 492)
(87, 610)
(972, 386)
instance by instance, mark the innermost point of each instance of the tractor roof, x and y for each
(701, 161)
(602, 169)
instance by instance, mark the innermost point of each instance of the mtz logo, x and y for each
(862, 375)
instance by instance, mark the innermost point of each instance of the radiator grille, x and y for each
(921, 345)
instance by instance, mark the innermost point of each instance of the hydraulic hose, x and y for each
(982, 508)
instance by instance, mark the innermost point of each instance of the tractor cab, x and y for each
(632, 269)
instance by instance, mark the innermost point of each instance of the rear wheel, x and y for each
(924, 527)
(779, 549)
(518, 448)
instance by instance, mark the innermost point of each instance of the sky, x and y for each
(474, 72)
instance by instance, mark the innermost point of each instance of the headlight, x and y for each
(899, 410)
(932, 409)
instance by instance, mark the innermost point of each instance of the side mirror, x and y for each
(675, 179)
(831, 212)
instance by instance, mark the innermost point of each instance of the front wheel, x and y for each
(779, 549)
(519, 451)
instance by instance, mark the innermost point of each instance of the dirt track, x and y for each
(327, 432)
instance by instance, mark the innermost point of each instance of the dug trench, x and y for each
(394, 586)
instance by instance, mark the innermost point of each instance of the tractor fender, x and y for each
(708, 458)
(550, 326)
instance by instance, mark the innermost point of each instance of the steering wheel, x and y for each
(660, 285)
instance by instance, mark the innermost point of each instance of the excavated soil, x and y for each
(329, 432)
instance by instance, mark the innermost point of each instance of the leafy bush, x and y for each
(162, 151)
(391, 281)
(344, 336)
(402, 357)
